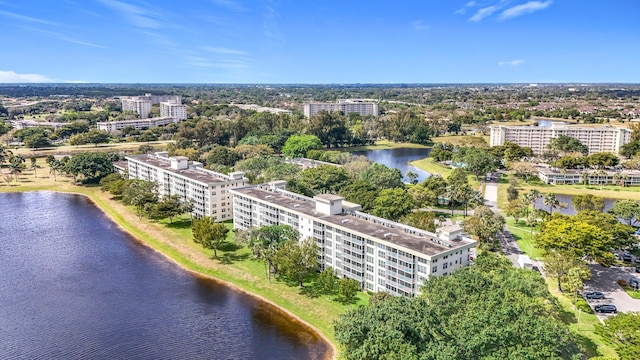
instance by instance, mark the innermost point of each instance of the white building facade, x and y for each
(138, 124)
(597, 139)
(173, 109)
(346, 106)
(142, 104)
(207, 190)
(382, 255)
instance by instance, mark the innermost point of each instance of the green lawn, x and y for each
(632, 292)
(582, 324)
(434, 167)
(522, 235)
(384, 144)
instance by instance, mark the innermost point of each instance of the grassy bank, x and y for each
(434, 167)
(383, 145)
(234, 266)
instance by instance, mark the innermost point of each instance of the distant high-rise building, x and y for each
(142, 107)
(173, 109)
(345, 105)
(142, 104)
(597, 139)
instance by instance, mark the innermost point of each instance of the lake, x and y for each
(74, 286)
(399, 158)
(567, 199)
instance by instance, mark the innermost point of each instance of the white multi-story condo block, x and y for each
(173, 109)
(138, 124)
(142, 104)
(207, 190)
(597, 139)
(380, 254)
(345, 105)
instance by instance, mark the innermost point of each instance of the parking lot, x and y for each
(605, 280)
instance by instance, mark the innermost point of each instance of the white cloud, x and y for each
(27, 18)
(522, 9)
(76, 82)
(483, 13)
(14, 77)
(511, 63)
(135, 15)
(418, 25)
(220, 50)
(471, 4)
(62, 37)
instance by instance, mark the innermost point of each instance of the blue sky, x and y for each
(320, 41)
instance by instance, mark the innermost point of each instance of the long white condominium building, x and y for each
(382, 255)
(142, 104)
(138, 124)
(173, 109)
(346, 106)
(597, 139)
(207, 190)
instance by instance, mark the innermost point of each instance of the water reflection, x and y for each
(399, 158)
(75, 286)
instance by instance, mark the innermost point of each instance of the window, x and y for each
(434, 269)
(444, 266)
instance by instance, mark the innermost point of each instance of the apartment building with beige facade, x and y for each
(346, 106)
(207, 190)
(597, 139)
(138, 124)
(380, 254)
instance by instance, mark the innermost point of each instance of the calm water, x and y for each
(398, 158)
(569, 210)
(73, 286)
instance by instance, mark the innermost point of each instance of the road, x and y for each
(507, 242)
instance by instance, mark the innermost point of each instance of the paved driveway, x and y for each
(605, 280)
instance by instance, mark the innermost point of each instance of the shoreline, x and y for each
(331, 347)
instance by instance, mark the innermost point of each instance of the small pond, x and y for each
(399, 158)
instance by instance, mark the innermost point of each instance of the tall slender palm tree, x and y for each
(55, 166)
(16, 167)
(530, 198)
(34, 165)
(551, 201)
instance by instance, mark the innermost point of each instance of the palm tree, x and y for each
(34, 165)
(55, 166)
(15, 167)
(551, 201)
(530, 198)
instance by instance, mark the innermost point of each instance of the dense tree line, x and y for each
(486, 311)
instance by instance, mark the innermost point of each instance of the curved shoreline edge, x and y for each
(332, 352)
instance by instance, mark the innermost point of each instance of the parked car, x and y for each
(606, 308)
(634, 283)
(638, 268)
(594, 295)
(627, 257)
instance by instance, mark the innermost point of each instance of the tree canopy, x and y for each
(487, 311)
